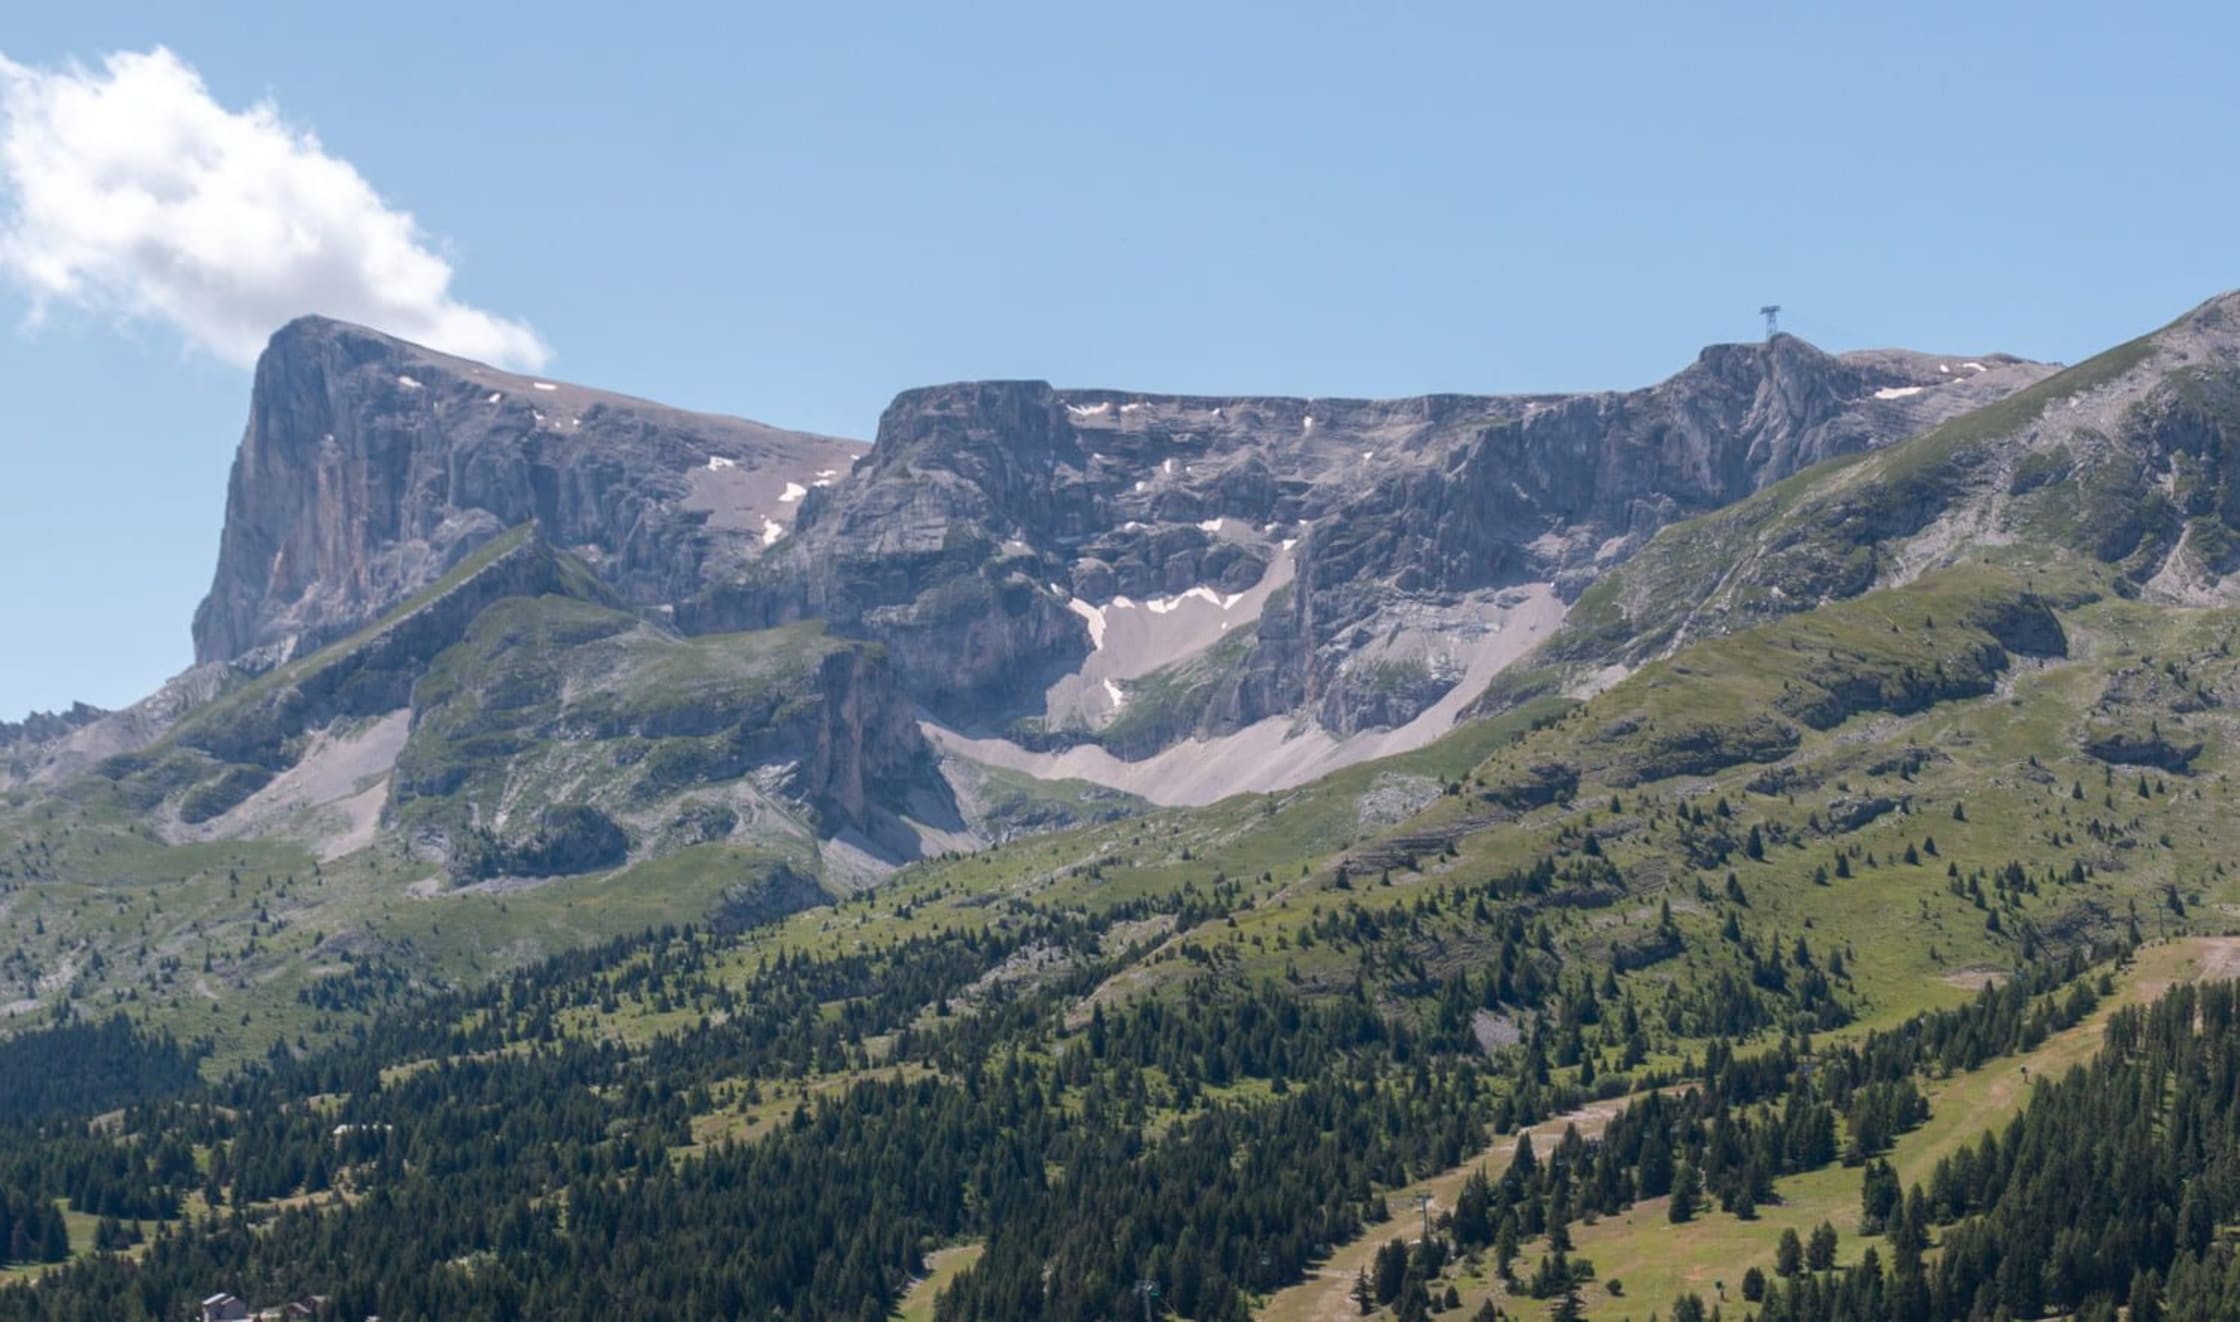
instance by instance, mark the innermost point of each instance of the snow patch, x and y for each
(793, 492)
(772, 530)
(1168, 466)
(1899, 392)
(543, 385)
(495, 396)
(1161, 605)
(1368, 454)
(1210, 525)
(717, 463)
(1088, 410)
(1095, 617)
(410, 384)
(1975, 367)
(1131, 408)
(1112, 691)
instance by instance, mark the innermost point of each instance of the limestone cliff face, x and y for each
(991, 519)
(369, 466)
(987, 510)
(867, 750)
(1569, 487)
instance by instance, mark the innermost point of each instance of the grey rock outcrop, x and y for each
(985, 507)
(370, 466)
(2124, 460)
(42, 727)
(990, 519)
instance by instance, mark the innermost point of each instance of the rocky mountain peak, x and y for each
(43, 726)
(371, 465)
(2121, 461)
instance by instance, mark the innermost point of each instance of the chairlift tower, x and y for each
(1772, 313)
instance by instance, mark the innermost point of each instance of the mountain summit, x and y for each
(370, 466)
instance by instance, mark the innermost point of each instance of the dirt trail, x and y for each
(2220, 957)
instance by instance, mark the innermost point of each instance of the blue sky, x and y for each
(792, 213)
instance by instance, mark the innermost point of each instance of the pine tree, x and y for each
(1820, 1253)
(54, 1239)
(1687, 1186)
(1788, 1255)
(2146, 1297)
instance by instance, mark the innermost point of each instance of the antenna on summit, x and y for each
(1772, 313)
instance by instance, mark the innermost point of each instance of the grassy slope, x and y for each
(942, 1267)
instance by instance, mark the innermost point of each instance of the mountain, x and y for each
(1857, 786)
(370, 466)
(1075, 582)
(472, 630)
(514, 718)
(2122, 464)
(1014, 588)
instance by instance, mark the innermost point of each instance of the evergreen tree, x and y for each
(1788, 1255)
(1820, 1252)
(1686, 1188)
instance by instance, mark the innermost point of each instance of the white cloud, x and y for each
(129, 191)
